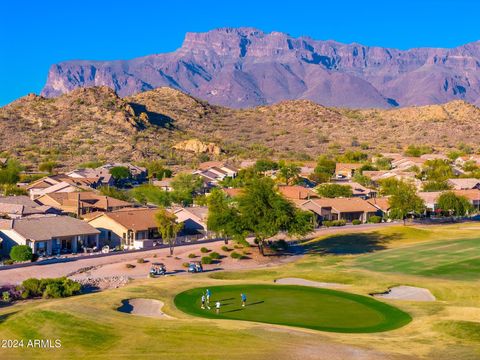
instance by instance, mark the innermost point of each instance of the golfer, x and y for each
(209, 293)
(203, 301)
(217, 307)
(244, 299)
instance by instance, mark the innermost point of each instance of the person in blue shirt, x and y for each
(209, 293)
(244, 299)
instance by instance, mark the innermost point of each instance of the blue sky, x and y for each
(36, 34)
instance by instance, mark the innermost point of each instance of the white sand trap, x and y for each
(144, 307)
(407, 293)
(303, 282)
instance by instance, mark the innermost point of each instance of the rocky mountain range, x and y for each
(246, 67)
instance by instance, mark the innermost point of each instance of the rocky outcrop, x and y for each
(246, 67)
(198, 147)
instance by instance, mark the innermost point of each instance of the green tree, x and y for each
(168, 227)
(289, 172)
(334, 190)
(115, 193)
(417, 151)
(324, 170)
(10, 189)
(437, 170)
(47, 166)
(156, 170)
(436, 186)
(185, 186)
(10, 174)
(120, 173)
(405, 201)
(223, 216)
(264, 165)
(21, 253)
(383, 163)
(452, 204)
(352, 157)
(265, 213)
(150, 194)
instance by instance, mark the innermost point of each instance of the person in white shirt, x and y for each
(217, 307)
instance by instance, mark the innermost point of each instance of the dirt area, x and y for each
(82, 268)
(304, 282)
(407, 293)
(144, 307)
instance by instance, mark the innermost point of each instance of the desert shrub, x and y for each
(141, 261)
(186, 264)
(192, 256)
(129, 266)
(204, 250)
(235, 255)
(339, 222)
(375, 219)
(226, 248)
(327, 223)
(21, 253)
(215, 255)
(239, 246)
(6, 297)
(49, 288)
(356, 222)
(8, 262)
(207, 260)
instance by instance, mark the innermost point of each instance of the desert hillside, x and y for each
(95, 124)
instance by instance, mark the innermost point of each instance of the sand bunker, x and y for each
(144, 307)
(407, 293)
(303, 282)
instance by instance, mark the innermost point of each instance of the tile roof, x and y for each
(48, 227)
(136, 219)
(296, 192)
(464, 183)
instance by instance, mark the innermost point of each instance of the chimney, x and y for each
(79, 210)
(106, 203)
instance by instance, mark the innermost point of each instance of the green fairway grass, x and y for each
(300, 306)
(452, 259)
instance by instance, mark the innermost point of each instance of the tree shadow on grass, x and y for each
(4, 317)
(350, 244)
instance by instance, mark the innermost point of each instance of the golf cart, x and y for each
(195, 267)
(158, 269)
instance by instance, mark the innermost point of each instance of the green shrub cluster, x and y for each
(235, 255)
(204, 250)
(356, 222)
(226, 248)
(192, 256)
(21, 253)
(334, 223)
(49, 288)
(207, 260)
(375, 219)
(215, 255)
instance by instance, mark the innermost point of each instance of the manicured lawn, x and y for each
(452, 259)
(300, 306)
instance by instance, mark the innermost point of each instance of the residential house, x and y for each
(138, 173)
(213, 172)
(194, 219)
(82, 203)
(347, 209)
(359, 190)
(101, 175)
(431, 198)
(346, 171)
(464, 183)
(133, 228)
(164, 184)
(60, 184)
(15, 207)
(48, 235)
(296, 192)
(408, 162)
(382, 203)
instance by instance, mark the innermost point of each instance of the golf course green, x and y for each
(300, 306)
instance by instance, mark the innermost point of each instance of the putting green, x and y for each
(301, 306)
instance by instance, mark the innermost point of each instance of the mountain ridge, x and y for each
(246, 67)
